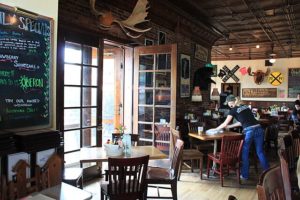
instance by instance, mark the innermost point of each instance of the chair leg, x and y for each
(201, 166)
(145, 192)
(179, 171)
(221, 174)
(238, 174)
(208, 167)
(174, 190)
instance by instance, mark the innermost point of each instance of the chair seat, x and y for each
(73, 176)
(159, 174)
(162, 163)
(191, 154)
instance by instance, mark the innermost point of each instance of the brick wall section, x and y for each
(76, 13)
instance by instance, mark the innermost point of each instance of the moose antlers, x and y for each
(138, 15)
(258, 75)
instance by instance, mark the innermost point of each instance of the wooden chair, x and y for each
(162, 137)
(3, 188)
(270, 185)
(73, 176)
(22, 186)
(229, 156)
(126, 178)
(271, 135)
(296, 143)
(157, 175)
(203, 146)
(51, 172)
(285, 175)
(134, 138)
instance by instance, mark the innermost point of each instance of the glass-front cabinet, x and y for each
(155, 89)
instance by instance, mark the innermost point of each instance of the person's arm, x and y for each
(236, 124)
(225, 123)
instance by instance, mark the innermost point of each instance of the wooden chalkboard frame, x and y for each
(47, 91)
(293, 82)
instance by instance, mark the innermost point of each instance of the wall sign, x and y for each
(201, 53)
(259, 92)
(275, 78)
(226, 73)
(25, 63)
(293, 82)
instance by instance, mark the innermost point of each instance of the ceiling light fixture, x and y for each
(272, 60)
(257, 46)
(230, 48)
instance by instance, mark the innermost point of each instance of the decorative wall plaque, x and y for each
(259, 92)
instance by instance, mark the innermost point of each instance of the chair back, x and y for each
(134, 138)
(162, 137)
(51, 172)
(3, 188)
(231, 148)
(22, 186)
(176, 159)
(289, 151)
(270, 185)
(285, 174)
(296, 143)
(193, 126)
(126, 177)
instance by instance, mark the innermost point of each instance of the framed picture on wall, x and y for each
(201, 53)
(214, 70)
(161, 37)
(185, 67)
(149, 42)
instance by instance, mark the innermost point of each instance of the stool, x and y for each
(73, 176)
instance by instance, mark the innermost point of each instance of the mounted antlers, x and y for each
(138, 15)
(258, 75)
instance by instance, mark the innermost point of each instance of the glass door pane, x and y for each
(155, 96)
(80, 99)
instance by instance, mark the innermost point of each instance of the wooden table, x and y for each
(98, 154)
(62, 192)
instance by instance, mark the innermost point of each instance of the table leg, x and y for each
(215, 151)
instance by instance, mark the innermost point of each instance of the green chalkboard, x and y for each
(293, 82)
(25, 63)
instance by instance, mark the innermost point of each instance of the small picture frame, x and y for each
(214, 70)
(149, 42)
(161, 37)
(185, 66)
(201, 53)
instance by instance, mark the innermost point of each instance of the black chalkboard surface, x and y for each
(25, 63)
(294, 82)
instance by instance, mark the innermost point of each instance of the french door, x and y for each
(81, 98)
(154, 89)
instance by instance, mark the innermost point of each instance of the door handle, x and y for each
(99, 128)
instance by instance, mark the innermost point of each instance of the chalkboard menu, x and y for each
(25, 63)
(293, 82)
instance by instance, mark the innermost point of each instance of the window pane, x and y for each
(90, 55)
(162, 113)
(146, 96)
(89, 117)
(72, 74)
(72, 96)
(145, 114)
(163, 61)
(146, 79)
(72, 53)
(90, 76)
(89, 137)
(72, 140)
(162, 97)
(146, 62)
(145, 131)
(163, 79)
(89, 97)
(72, 118)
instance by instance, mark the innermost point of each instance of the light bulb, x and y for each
(272, 60)
(230, 49)
(257, 46)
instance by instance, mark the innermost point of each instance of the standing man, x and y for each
(252, 130)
